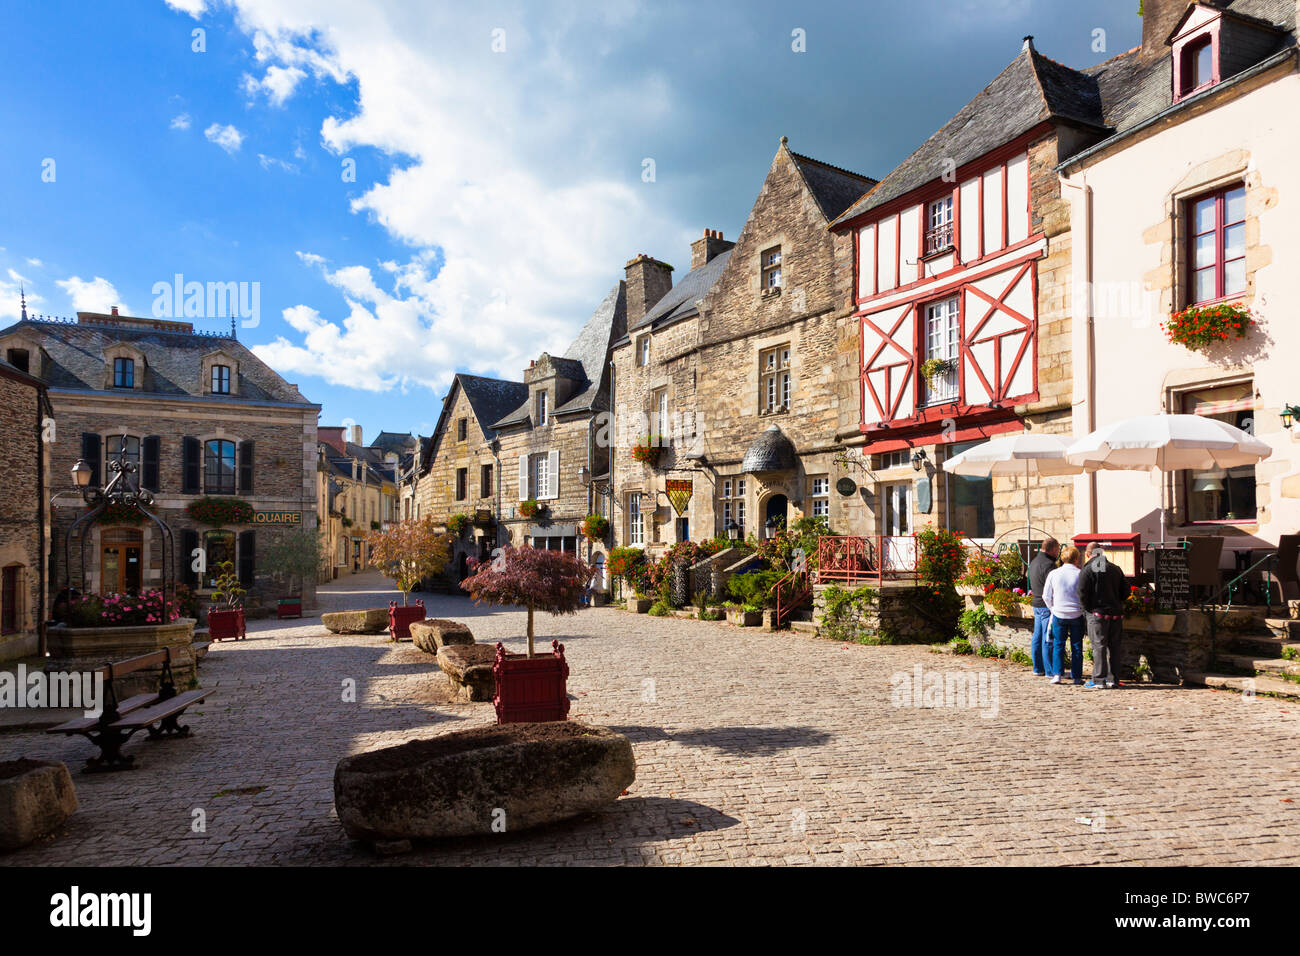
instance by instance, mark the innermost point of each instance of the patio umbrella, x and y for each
(1027, 454)
(1168, 443)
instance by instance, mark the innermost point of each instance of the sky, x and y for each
(403, 189)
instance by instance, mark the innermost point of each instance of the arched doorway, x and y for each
(775, 515)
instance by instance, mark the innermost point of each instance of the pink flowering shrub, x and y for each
(121, 610)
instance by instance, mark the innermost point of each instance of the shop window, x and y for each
(1221, 494)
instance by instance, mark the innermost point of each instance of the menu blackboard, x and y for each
(1173, 580)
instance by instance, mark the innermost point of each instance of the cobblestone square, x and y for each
(752, 748)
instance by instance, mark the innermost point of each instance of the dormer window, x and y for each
(771, 269)
(221, 380)
(20, 359)
(123, 373)
(938, 225)
(643, 351)
(1198, 65)
(543, 415)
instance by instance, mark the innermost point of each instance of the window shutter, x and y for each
(191, 460)
(90, 445)
(247, 553)
(523, 477)
(553, 474)
(246, 466)
(149, 449)
(189, 541)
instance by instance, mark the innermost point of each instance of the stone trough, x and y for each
(469, 670)
(369, 621)
(434, 633)
(481, 781)
(36, 796)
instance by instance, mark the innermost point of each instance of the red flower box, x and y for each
(288, 607)
(531, 688)
(226, 625)
(400, 619)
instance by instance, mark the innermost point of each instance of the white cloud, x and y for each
(91, 295)
(11, 293)
(517, 188)
(195, 8)
(271, 161)
(227, 137)
(34, 263)
(278, 83)
(182, 121)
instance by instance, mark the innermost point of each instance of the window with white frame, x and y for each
(775, 382)
(892, 459)
(771, 268)
(733, 504)
(635, 520)
(659, 415)
(543, 413)
(819, 496)
(941, 351)
(938, 225)
(541, 476)
(643, 350)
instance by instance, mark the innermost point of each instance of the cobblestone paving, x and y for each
(751, 747)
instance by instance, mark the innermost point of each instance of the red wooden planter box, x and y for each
(226, 625)
(401, 617)
(531, 689)
(288, 607)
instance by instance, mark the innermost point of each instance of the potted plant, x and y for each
(296, 554)
(646, 450)
(1201, 325)
(529, 508)
(406, 553)
(744, 615)
(530, 687)
(458, 524)
(629, 564)
(594, 527)
(934, 367)
(226, 616)
(219, 512)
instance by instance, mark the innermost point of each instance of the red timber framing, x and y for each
(996, 287)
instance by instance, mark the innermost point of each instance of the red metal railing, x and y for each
(792, 592)
(859, 558)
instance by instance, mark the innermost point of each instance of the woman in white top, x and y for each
(1060, 594)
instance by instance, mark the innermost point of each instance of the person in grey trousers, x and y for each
(1102, 589)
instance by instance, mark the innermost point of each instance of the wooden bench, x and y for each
(157, 713)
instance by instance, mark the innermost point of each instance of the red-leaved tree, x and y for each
(532, 577)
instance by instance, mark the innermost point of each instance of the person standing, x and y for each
(1061, 596)
(1042, 565)
(1102, 589)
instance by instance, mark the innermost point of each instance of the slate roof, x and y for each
(770, 451)
(175, 360)
(835, 189)
(1033, 88)
(586, 361)
(680, 300)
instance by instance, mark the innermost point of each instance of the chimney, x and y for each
(648, 281)
(332, 435)
(354, 434)
(1159, 17)
(115, 310)
(702, 250)
(1028, 45)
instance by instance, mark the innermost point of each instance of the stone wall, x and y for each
(898, 614)
(23, 509)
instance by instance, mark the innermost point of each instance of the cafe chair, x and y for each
(1288, 550)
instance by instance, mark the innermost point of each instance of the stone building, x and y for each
(356, 492)
(198, 415)
(460, 470)
(553, 448)
(24, 507)
(1187, 203)
(729, 376)
(961, 290)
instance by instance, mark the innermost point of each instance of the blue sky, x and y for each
(498, 152)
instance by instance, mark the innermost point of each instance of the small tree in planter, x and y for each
(531, 688)
(298, 554)
(408, 552)
(226, 617)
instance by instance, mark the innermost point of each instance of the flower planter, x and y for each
(87, 648)
(638, 605)
(287, 607)
(970, 590)
(226, 625)
(742, 618)
(36, 796)
(1137, 623)
(401, 617)
(531, 689)
(1163, 623)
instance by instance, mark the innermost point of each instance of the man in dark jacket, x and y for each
(1102, 591)
(1039, 642)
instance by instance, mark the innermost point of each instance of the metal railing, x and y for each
(855, 558)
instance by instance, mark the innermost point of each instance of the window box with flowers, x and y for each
(219, 512)
(933, 368)
(458, 524)
(647, 449)
(1199, 326)
(530, 508)
(594, 527)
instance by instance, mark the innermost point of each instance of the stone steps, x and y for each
(1283, 627)
(1240, 683)
(1262, 645)
(1252, 664)
(805, 627)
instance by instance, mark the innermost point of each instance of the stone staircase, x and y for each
(1254, 658)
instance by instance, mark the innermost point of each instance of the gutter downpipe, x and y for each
(1090, 354)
